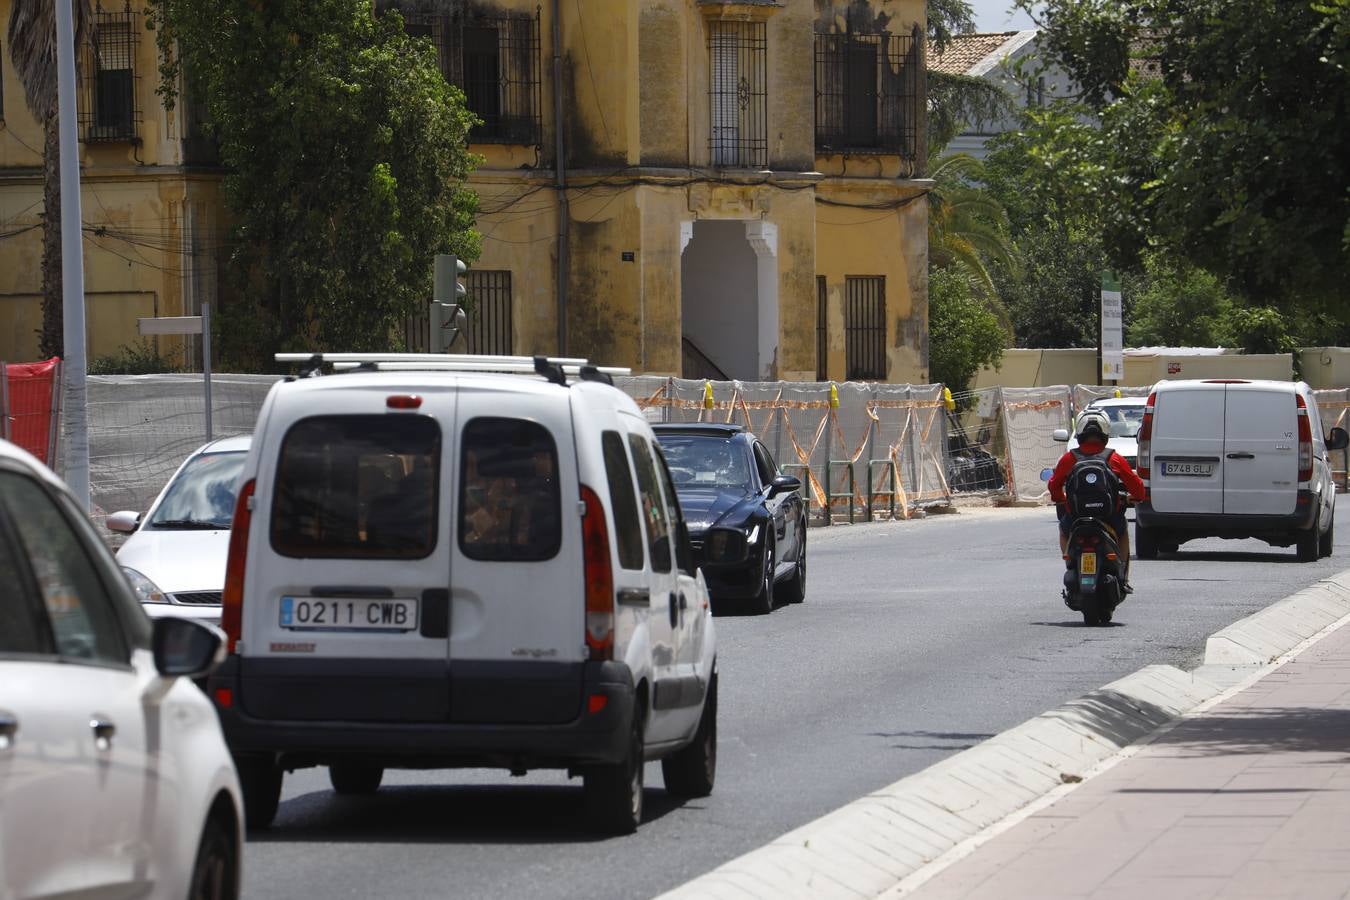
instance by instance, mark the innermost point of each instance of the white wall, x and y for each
(720, 296)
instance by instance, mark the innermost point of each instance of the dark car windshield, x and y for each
(202, 496)
(706, 461)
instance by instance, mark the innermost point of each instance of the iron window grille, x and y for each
(495, 61)
(822, 329)
(865, 327)
(737, 94)
(109, 110)
(868, 92)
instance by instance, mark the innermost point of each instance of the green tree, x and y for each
(967, 226)
(963, 335)
(345, 152)
(32, 49)
(1178, 305)
(1226, 124)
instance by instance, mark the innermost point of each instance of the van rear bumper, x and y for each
(599, 737)
(1222, 525)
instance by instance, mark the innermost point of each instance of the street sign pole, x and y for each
(206, 363)
(187, 325)
(1111, 340)
(75, 365)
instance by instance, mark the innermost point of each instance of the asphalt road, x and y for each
(918, 639)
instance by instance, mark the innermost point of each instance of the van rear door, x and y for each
(346, 592)
(517, 621)
(1187, 469)
(1260, 450)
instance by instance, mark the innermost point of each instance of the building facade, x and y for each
(686, 187)
(149, 196)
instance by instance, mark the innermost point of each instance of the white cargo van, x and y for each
(1235, 459)
(433, 566)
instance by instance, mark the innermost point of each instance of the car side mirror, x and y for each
(123, 521)
(784, 483)
(1338, 439)
(1061, 435)
(186, 647)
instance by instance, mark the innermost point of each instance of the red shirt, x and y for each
(1131, 481)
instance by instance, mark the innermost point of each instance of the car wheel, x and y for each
(796, 586)
(355, 778)
(691, 771)
(614, 792)
(260, 778)
(1326, 543)
(1145, 542)
(1308, 542)
(215, 873)
(762, 603)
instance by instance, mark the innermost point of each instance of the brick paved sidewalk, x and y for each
(1250, 800)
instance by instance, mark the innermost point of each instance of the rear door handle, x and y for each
(103, 732)
(1241, 455)
(9, 726)
(635, 597)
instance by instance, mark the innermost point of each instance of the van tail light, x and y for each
(599, 578)
(1305, 460)
(232, 602)
(1145, 438)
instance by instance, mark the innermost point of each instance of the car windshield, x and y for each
(1125, 420)
(202, 496)
(706, 461)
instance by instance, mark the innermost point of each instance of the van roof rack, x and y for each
(555, 369)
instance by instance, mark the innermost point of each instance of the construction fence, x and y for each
(862, 451)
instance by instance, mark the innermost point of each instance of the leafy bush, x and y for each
(963, 333)
(133, 359)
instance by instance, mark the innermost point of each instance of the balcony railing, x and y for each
(869, 92)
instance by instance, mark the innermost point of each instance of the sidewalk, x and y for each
(1249, 799)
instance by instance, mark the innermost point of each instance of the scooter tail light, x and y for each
(599, 575)
(232, 599)
(1305, 460)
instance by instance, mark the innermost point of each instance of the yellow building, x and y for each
(149, 196)
(740, 194)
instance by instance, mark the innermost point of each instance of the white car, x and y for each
(1127, 416)
(175, 555)
(442, 567)
(114, 777)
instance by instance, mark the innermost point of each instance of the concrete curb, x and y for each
(866, 848)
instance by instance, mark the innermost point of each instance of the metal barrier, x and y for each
(847, 465)
(891, 494)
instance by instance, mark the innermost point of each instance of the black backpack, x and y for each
(1092, 489)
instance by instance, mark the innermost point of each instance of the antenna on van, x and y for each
(553, 373)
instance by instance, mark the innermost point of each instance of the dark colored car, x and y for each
(747, 522)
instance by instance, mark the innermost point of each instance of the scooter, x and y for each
(1093, 569)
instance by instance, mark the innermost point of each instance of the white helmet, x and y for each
(1093, 423)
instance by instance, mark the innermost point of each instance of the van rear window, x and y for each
(357, 487)
(510, 503)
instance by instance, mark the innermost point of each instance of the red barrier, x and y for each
(30, 397)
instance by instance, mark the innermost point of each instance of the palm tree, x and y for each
(967, 228)
(32, 43)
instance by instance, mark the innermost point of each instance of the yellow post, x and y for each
(707, 395)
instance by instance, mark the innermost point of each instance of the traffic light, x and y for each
(448, 319)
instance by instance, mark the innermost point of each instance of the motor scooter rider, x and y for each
(1093, 430)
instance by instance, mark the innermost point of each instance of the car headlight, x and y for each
(146, 590)
(754, 536)
(724, 545)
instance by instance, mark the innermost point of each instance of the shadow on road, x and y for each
(447, 814)
(963, 740)
(1078, 623)
(1228, 556)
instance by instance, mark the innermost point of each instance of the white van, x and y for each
(432, 566)
(1236, 459)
